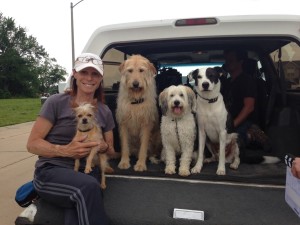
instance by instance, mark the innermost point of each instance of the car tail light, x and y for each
(195, 22)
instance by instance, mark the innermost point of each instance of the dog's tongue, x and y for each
(177, 110)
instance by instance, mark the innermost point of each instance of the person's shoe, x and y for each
(258, 137)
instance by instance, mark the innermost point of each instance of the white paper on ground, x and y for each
(188, 214)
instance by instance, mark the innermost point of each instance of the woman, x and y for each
(52, 140)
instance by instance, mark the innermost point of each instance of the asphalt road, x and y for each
(16, 168)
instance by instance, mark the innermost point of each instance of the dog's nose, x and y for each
(205, 85)
(176, 103)
(135, 84)
(84, 120)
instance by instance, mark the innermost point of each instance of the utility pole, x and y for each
(72, 33)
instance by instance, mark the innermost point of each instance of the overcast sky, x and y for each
(50, 20)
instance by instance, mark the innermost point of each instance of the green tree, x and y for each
(25, 67)
(49, 76)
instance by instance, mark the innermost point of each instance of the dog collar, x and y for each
(138, 101)
(84, 130)
(211, 100)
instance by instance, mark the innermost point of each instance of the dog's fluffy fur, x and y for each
(178, 127)
(87, 125)
(214, 125)
(137, 113)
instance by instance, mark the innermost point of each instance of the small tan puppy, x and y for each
(87, 125)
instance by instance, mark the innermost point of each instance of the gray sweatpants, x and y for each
(78, 193)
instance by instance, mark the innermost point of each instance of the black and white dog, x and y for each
(214, 124)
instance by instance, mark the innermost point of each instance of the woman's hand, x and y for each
(104, 147)
(296, 167)
(109, 138)
(77, 148)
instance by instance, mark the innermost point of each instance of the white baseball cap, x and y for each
(88, 60)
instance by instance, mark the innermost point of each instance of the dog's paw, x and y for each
(170, 170)
(140, 167)
(221, 171)
(87, 170)
(184, 172)
(109, 170)
(124, 165)
(209, 160)
(196, 169)
(154, 160)
(234, 165)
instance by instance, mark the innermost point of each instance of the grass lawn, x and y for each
(14, 111)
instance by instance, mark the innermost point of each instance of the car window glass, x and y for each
(112, 61)
(291, 64)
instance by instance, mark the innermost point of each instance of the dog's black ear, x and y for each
(190, 76)
(163, 101)
(191, 98)
(220, 71)
(193, 75)
(213, 74)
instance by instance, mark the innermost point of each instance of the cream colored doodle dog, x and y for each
(178, 127)
(137, 112)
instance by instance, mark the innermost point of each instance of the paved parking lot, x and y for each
(16, 168)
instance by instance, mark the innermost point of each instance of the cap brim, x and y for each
(89, 64)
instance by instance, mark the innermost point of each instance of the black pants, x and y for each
(78, 193)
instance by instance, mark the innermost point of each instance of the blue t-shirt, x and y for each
(57, 109)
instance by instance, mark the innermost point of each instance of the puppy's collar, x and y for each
(85, 130)
(210, 100)
(138, 101)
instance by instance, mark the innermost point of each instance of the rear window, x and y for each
(185, 69)
(186, 55)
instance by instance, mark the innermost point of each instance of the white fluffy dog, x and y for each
(178, 127)
(214, 125)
